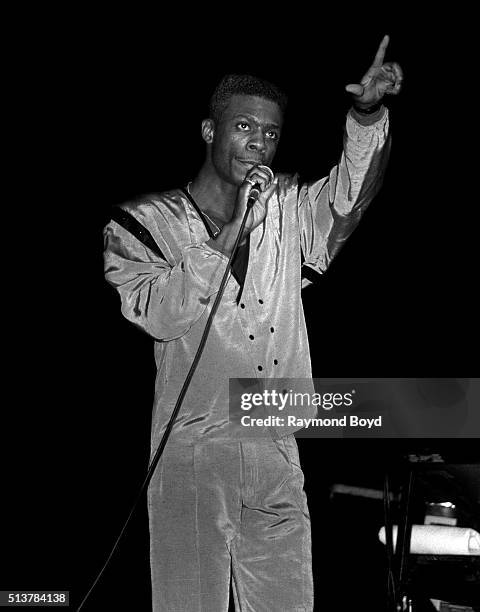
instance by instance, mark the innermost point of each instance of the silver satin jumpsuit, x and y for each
(222, 508)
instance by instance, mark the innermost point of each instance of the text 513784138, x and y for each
(19, 599)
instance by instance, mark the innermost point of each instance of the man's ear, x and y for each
(208, 130)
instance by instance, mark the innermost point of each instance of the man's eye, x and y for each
(272, 135)
(243, 126)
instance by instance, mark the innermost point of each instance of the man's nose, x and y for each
(257, 142)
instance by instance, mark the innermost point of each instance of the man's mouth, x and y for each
(250, 162)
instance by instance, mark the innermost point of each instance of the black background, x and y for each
(118, 102)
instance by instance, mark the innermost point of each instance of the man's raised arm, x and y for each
(330, 209)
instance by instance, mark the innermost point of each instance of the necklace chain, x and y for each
(204, 213)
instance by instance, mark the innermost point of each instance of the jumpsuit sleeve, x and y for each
(329, 209)
(164, 296)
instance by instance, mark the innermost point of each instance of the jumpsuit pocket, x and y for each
(291, 449)
(288, 448)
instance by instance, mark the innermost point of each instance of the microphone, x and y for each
(256, 189)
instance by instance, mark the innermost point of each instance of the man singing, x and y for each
(221, 507)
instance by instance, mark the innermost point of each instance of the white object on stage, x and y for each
(439, 540)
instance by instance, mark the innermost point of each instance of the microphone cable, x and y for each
(176, 409)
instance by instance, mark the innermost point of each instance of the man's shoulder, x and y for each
(160, 216)
(155, 205)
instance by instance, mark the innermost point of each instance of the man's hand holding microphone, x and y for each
(254, 193)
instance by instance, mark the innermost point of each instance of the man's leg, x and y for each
(271, 556)
(194, 510)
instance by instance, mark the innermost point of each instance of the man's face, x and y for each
(246, 135)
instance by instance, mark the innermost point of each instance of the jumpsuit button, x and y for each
(260, 368)
(242, 305)
(272, 329)
(260, 301)
(251, 336)
(275, 361)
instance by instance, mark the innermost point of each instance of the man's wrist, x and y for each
(364, 109)
(370, 118)
(225, 240)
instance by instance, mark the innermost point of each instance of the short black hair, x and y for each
(246, 85)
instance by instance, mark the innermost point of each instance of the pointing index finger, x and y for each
(378, 61)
